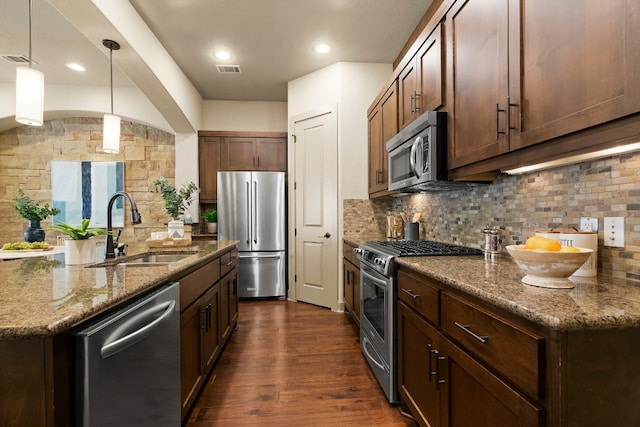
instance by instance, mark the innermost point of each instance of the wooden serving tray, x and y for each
(168, 243)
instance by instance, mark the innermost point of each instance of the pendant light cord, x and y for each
(30, 11)
(111, 77)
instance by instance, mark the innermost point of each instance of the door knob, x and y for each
(326, 235)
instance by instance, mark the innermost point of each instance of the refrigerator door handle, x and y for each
(248, 200)
(261, 257)
(255, 212)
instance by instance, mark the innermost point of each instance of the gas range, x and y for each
(380, 255)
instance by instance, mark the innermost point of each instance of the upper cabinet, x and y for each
(254, 154)
(421, 81)
(383, 124)
(209, 161)
(237, 151)
(528, 72)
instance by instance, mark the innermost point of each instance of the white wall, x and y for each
(257, 116)
(352, 86)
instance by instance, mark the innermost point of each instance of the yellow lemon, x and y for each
(539, 243)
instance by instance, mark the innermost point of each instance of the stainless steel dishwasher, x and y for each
(128, 364)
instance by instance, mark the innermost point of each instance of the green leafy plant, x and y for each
(211, 215)
(175, 201)
(80, 232)
(30, 209)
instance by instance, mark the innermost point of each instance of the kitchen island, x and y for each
(44, 300)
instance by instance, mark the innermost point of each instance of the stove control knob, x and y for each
(359, 251)
(378, 261)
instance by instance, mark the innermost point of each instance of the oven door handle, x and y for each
(413, 157)
(378, 279)
(373, 360)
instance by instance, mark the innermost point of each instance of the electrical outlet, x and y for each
(589, 224)
(614, 231)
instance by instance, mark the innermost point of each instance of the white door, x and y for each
(316, 209)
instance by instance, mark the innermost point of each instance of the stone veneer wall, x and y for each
(520, 205)
(25, 162)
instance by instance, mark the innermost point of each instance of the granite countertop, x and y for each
(42, 296)
(601, 302)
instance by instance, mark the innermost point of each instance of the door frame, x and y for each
(291, 150)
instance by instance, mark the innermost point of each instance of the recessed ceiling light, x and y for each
(223, 55)
(322, 48)
(75, 67)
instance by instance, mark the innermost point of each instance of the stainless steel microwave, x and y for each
(418, 154)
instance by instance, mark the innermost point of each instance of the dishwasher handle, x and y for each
(115, 344)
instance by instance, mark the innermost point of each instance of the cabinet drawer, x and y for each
(228, 262)
(419, 294)
(509, 349)
(195, 284)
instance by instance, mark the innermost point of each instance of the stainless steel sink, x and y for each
(149, 259)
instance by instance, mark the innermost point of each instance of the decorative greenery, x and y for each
(175, 202)
(211, 216)
(80, 232)
(30, 209)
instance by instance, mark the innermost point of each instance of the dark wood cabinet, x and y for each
(254, 154)
(351, 283)
(420, 82)
(522, 75)
(209, 313)
(444, 383)
(209, 164)
(383, 124)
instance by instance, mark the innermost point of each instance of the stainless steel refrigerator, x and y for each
(251, 209)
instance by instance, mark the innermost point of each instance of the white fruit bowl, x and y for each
(548, 269)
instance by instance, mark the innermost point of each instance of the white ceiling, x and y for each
(270, 40)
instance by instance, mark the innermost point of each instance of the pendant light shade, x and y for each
(29, 96)
(111, 122)
(29, 90)
(111, 134)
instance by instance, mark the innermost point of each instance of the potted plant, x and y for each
(81, 247)
(211, 216)
(34, 212)
(175, 202)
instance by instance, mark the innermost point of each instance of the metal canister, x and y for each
(492, 241)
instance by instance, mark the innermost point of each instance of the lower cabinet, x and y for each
(206, 323)
(351, 285)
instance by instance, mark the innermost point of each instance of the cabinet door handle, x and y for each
(203, 318)
(410, 293)
(498, 111)
(208, 317)
(508, 116)
(432, 373)
(438, 360)
(229, 264)
(415, 102)
(467, 329)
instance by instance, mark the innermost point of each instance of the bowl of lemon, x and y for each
(546, 263)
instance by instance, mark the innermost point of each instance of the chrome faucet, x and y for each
(109, 251)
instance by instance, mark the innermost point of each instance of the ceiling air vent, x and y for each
(229, 69)
(16, 59)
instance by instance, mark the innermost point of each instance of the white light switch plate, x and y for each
(614, 231)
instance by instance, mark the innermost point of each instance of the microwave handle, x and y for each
(413, 157)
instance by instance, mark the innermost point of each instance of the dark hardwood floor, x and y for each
(291, 363)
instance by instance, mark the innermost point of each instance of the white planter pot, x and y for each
(212, 227)
(175, 229)
(79, 251)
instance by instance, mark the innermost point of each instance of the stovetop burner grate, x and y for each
(402, 248)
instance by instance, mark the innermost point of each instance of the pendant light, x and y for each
(29, 90)
(111, 122)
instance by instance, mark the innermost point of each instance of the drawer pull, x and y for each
(468, 330)
(229, 264)
(431, 353)
(411, 294)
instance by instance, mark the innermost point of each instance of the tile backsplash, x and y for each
(522, 204)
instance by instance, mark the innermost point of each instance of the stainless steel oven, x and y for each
(377, 330)
(378, 299)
